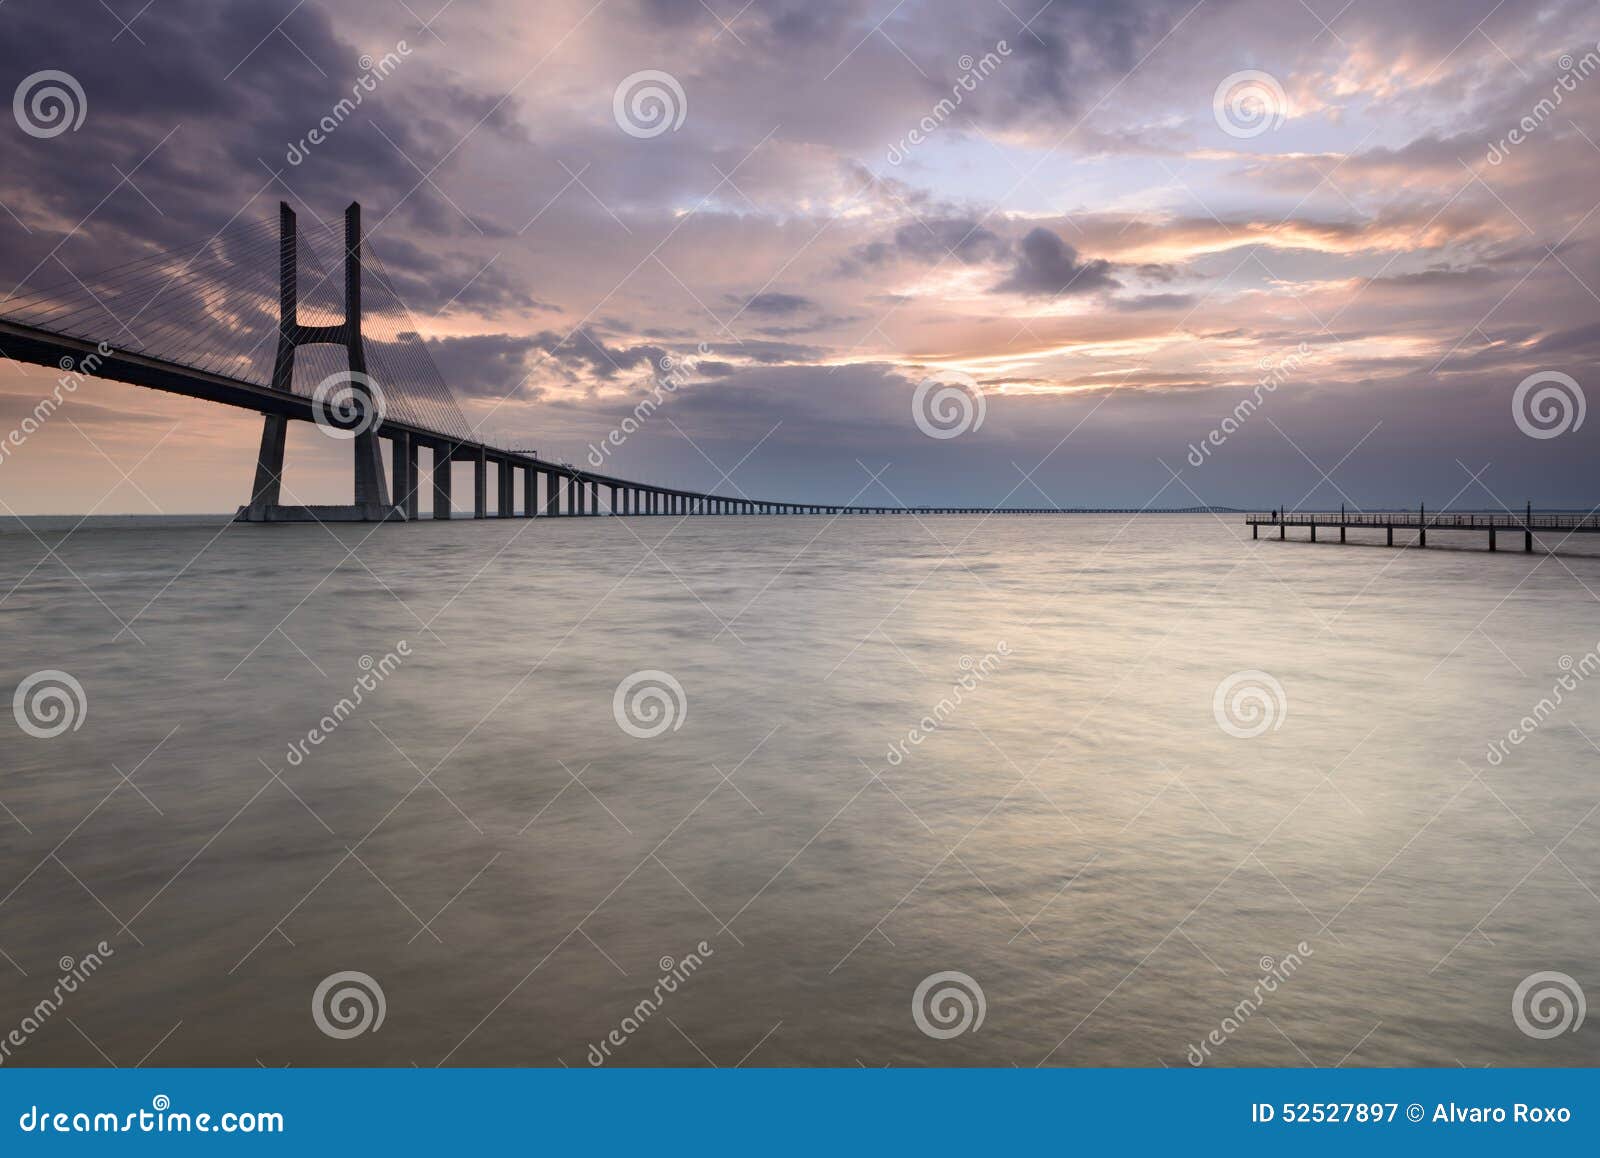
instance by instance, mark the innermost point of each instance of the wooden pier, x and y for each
(1421, 522)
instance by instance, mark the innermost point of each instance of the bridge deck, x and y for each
(576, 486)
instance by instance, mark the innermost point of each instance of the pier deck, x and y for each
(1526, 524)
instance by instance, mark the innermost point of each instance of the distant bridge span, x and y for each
(49, 331)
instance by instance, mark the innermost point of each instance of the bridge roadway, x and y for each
(569, 490)
(1420, 521)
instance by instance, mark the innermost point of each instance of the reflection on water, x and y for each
(864, 753)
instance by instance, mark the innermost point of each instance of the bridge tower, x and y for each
(351, 395)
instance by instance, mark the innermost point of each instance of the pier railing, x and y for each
(1422, 521)
(1442, 520)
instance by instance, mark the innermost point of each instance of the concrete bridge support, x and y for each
(403, 469)
(505, 498)
(371, 492)
(441, 481)
(480, 485)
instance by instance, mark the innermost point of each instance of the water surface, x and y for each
(1076, 833)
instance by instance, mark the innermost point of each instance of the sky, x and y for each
(1019, 252)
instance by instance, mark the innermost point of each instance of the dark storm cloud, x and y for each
(199, 109)
(495, 365)
(428, 282)
(1046, 265)
(588, 349)
(1074, 40)
(490, 365)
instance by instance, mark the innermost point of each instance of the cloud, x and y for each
(1051, 238)
(1047, 266)
(777, 303)
(1154, 302)
(963, 239)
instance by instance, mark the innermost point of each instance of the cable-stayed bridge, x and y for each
(255, 318)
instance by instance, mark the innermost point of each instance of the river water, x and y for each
(985, 752)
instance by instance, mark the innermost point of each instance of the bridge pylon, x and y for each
(351, 400)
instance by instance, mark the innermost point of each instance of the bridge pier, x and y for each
(530, 492)
(442, 459)
(1491, 539)
(407, 496)
(269, 463)
(505, 498)
(480, 485)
